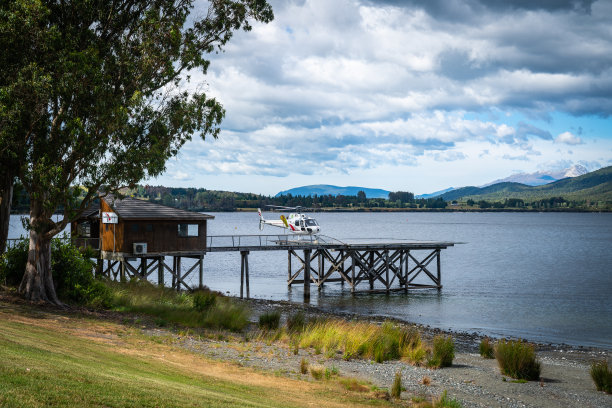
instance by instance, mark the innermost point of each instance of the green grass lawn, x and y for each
(55, 359)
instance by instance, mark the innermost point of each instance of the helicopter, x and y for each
(297, 223)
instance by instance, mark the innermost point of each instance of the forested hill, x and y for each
(594, 186)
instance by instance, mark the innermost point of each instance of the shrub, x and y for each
(73, 276)
(396, 389)
(269, 321)
(304, 366)
(317, 372)
(296, 322)
(486, 348)
(13, 263)
(445, 402)
(203, 299)
(602, 376)
(443, 351)
(517, 359)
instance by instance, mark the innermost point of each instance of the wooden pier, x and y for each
(363, 266)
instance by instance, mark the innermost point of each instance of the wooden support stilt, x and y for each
(307, 275)
(289, 266)
(143, 267)
(387, 281)
(353, 272)
(439, 270)
(160, 271)
(371, 270)
(244, 273)
(122, 270)
(201, 271)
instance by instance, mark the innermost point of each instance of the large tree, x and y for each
(97, 98)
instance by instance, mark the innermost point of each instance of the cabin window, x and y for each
(84, 230)
(134, 228)
(149, 228)
(188, 230)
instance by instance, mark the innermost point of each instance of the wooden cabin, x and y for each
(85, 231)
(130, 227)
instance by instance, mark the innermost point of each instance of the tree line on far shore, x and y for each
(200, 199)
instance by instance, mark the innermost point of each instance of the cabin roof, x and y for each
(134, 209)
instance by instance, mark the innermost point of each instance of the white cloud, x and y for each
(568, 138)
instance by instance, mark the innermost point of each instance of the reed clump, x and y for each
(602, 376)
(443, 352)
(396, 388)
(517, 359)
(269, 321)
(363, 340)
(486, 348)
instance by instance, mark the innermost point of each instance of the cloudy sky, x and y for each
(407, 95)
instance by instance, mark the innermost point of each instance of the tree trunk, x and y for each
(6, 197)
(37, 283)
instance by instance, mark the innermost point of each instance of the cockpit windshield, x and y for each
(311, 223)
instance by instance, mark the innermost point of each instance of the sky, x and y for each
(406, 95)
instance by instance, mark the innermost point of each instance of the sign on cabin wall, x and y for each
(109, 218)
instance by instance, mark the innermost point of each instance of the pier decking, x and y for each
(380, 266)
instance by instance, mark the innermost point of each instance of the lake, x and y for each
(545, 277)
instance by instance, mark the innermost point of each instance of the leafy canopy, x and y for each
(96, 93)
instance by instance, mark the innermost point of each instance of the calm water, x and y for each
(541, 276)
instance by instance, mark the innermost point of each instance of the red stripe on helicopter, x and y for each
(292, 229)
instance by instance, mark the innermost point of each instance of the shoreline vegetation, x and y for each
(591, 192)
(152, 335)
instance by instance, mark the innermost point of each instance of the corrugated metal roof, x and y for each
(134, 209)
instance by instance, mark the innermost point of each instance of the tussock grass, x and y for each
(445, 402)
(364, 340)
(200, 309)
(396, 388)
(296, 322)
(443, 352)
(602, 376)
(269, 321)
(317, 372)
(486, 348)
(517, 359)
(304, 366)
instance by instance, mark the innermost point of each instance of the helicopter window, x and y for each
(311, 223)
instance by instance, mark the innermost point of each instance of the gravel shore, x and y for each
(475, 381)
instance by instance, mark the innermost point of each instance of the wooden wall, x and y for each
(159, 235)
(108, 230)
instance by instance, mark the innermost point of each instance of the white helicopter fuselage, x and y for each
(296, 223)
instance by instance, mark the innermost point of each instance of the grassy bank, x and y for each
(54, 359)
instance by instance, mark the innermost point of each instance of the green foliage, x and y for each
(486, 348)
(443, 352)
(602, 376)
(517, 359)
(269, 321)
(296, 322)
(13, 263)
(204, 299)
(73, 276)
(72, 273)
(446, 402)
(396, 388)
(177, 307)
(96, 94)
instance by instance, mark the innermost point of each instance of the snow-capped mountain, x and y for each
(542, 177)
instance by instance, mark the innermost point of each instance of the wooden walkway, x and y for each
(363, 266)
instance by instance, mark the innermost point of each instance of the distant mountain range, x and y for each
(575, 182)
(595, 186)
(326, 189)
